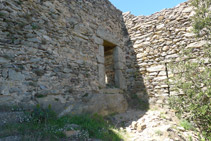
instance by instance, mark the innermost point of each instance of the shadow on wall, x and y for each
(137, 95)
(39, 63)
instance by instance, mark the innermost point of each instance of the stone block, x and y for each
(156, 68)
(80, 35)
(172, 56)
(118, 66)
(104, 34)
(13, 75)
(189, 35)
(118, 55)
(100, 59)
(187, 10)
(101, 73)
(197, 44)
(162, 73)
(161, 26)
(120, 80)
(72, 133)
(105, 104)
(97, 40)
(101, 51)
(3, 60)
(160, 78)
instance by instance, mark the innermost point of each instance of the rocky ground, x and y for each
(157, 124)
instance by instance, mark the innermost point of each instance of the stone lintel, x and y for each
(104, 34)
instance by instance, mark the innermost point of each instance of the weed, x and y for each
(1, 14)
(40, 95)
(159, 132)
(34, 26)
(186, 125)
(162, 115)
(19, 2)
(190, 138)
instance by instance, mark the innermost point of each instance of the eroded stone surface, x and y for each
(52, 52)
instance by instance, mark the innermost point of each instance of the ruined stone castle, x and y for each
(84, 55)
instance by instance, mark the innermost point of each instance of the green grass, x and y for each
(44, 125)
(95, 125)
(186, 125)
(162, 115)
(159, 132)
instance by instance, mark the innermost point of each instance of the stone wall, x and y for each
(156, 41)
(52, 52)
(54, 49)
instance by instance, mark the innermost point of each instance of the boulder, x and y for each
(105, 104)
(102, 104)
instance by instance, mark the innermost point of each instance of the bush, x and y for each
(192, 79)
(194, 101)
(202, 18)
(186, 125)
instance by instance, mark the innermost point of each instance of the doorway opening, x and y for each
(109, 64)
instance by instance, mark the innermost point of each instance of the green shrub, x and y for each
(192, 79)
(202, 18)
(194, 103)
(186, 125)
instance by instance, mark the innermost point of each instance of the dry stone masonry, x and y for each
(52, 52)
(83, 55)
(157, 41)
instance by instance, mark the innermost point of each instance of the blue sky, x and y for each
(144, 7)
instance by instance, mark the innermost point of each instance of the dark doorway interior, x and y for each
(109, 64)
